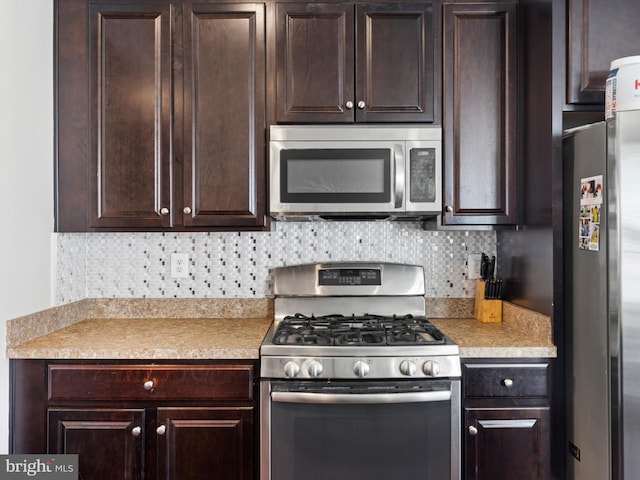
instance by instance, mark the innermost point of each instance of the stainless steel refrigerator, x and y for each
(602, 285)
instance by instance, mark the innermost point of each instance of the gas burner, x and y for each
(357, 336)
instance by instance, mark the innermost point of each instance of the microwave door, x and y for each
(337, 178)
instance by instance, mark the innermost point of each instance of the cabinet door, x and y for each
(315, 46)
(198, 443)
(130, 122)
(395, 63)
(224, 116)
(599, 31)
(505, 444)
(110, 443)
(480, 114)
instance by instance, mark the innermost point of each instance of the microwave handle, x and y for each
(398, 156)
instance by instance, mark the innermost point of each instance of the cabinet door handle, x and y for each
(148, 385)
(186, 210)
(349, 105)
(449, 208)
(473, 430)
(164, 211)
(136, 431)
(161, 430)
(507, 382)
(361, 104)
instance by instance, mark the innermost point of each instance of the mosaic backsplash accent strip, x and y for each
(238, 264)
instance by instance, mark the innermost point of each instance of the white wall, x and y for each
(26, 170)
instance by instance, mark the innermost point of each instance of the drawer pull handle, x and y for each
(136, 431)
(473, 430)
(161, 430)
(507, 382)
(148, 385)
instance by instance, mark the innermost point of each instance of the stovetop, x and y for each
(356, 330)
(354, 321)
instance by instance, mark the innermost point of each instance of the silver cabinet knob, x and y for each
(186, 210)
(507, 382)
(161, 430)
(291, 369)
(164, 211)
(408, 368)
(349, 105)
(473, 430)
(361, 104)
(136, 431)
(361, 369)
(314, 369)
(449, 208)
(431, 368)
(148, 385)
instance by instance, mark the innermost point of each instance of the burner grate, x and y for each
(365, 330)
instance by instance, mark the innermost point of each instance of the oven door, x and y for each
(361, 431)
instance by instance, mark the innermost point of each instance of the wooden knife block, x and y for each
(487, 311)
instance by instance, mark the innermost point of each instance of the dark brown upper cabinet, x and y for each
(345, 63)
(599, 31)
(479, 114)
(174, 135)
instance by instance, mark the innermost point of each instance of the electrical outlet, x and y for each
(179, 265)
(473, 265)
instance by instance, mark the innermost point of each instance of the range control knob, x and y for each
(431, 368)
(291, 369)
(315, 368)
(361, 369)
(408, 368)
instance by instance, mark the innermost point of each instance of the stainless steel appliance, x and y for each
(338, 171)
(356, 383)
(602, 175)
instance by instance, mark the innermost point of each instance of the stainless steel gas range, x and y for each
(356, 382)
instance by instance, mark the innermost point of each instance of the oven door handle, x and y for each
(360, 398)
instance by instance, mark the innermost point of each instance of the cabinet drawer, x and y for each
(148, 382)
(505, 380)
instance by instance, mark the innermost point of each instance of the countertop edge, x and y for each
(508, 352)
(133, 354)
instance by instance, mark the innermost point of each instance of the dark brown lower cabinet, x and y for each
(505, 444)
(205, 443)
(506, 414)
(136, 420)
(103, 439)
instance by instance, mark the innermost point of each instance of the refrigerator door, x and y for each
(588, 381)
(624, 290)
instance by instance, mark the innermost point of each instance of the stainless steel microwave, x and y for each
(352, 171)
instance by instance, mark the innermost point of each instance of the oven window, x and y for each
(335, 175)
(405, 441)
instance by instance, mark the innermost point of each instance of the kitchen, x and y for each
(28, 288)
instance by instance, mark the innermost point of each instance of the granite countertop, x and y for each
(149, 338)
(495, 340)
(233, 329)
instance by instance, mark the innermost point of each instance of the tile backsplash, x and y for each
(238, 264)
